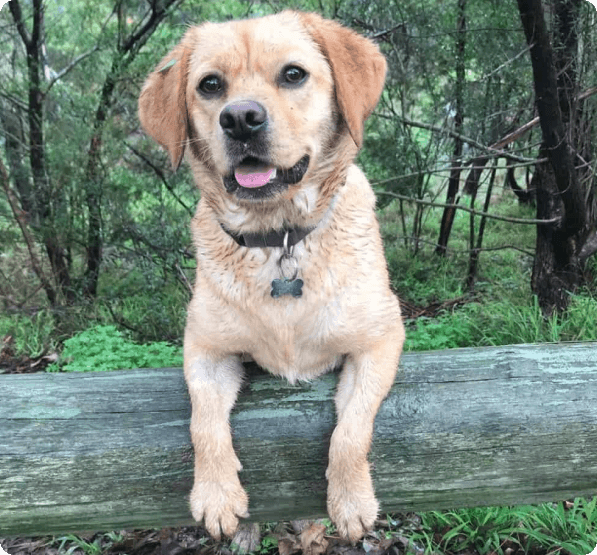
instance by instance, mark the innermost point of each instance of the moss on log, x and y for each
(464, 427)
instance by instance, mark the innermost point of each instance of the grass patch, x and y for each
(496, 323)
(30, 335)
(547, 528)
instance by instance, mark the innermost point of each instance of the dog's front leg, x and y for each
(364, 382)
(217, 496)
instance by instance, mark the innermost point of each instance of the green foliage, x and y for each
(503, 323)
(30, 335)
(269, 544)
(551, 526)
(106, 348)
(75, 545)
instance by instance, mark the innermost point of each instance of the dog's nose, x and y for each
(242, 120)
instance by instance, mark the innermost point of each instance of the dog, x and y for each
(290, 262)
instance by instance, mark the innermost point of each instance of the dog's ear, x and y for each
(162, 104)
(358, 68)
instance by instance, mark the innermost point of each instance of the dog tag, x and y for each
(285, 286)
(289, 284)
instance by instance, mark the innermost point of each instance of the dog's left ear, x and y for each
(162, 104)
(358, 68)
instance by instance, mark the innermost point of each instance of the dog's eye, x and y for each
(293, 76)
(211, 85)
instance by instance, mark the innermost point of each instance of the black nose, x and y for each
(243, 120)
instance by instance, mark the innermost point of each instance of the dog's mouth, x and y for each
(256, 179)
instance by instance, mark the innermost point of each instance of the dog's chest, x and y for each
(297, 337)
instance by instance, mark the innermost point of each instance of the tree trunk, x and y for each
(556, 270)
(127, 49)
(454, 181)
(460, 428)
(42, 200)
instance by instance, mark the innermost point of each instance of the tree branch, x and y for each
(495, 151)
(470, 210)
(21, 220)
(138, 38)
(70, 66)
(162, 177)
(17, 15)
(495, 148)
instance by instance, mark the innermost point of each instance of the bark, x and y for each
(454, 181)
(476, 249)
(525, 196)
(21, 218)
(557, 270)
(460, 428)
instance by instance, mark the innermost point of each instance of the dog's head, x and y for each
(264, 105)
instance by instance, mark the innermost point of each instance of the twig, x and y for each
(471, 211)
(462, 251)
(495, 148)
(21, 220)
(161, 175)
(70, 66)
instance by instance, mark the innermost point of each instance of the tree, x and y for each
(557, 269)
(454, 181)
(128, 45)
(43, 201)
(39, 203)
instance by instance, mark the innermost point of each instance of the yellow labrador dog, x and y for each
(290, 264)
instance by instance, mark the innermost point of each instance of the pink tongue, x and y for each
(247, 178)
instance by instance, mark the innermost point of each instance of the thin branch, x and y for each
(14, 100)
(446, 169)
(458, 251)
(21, 220)
(507, 62)
(471, 211)
(70, 66)
(162, 177)
(468, 140)
(495, 148)
(137, 39)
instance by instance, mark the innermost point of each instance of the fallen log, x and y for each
(464, 427)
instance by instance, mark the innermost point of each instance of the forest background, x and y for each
(94, 226)
(486, 243)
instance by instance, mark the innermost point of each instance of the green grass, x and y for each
(548, 528)
(71, 544)
(30, 334)
(503, 323)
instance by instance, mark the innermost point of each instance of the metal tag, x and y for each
(285, 286)
(289, 284)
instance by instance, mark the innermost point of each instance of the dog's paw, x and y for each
(351, 503)
(219, 505)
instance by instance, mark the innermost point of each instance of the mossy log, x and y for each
(464, 427)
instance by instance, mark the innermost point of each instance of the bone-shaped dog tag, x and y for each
(285, 286)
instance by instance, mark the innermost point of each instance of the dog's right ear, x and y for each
(162, 104)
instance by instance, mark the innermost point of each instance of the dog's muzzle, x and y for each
(255, 179)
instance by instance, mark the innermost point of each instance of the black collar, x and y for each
(274, 238)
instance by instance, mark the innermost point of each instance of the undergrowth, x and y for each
(106, 348)
(567, 528)
(503, 323)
